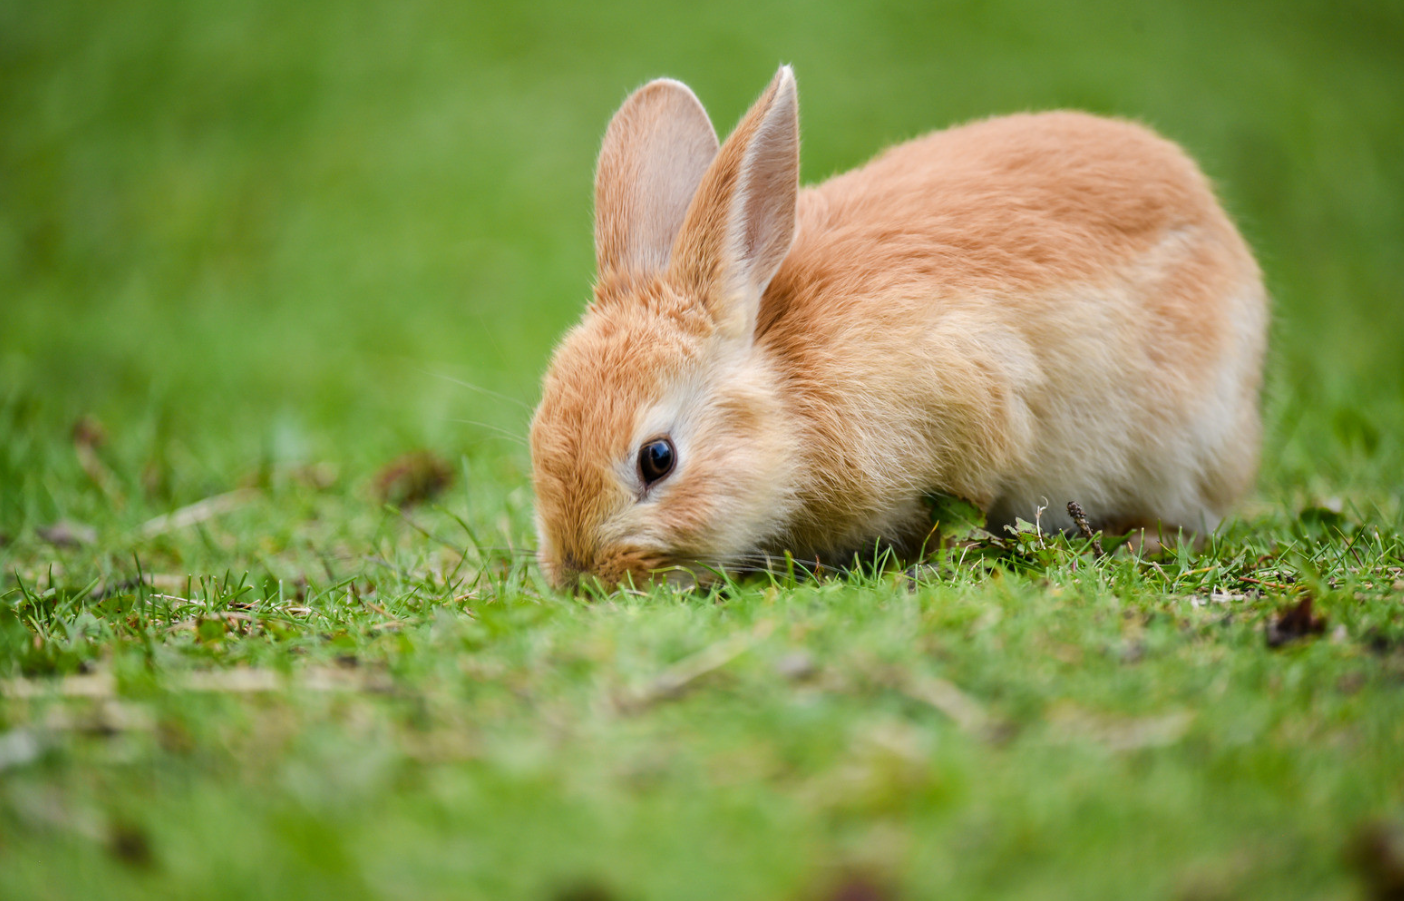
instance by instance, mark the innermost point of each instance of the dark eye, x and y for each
(656, 460)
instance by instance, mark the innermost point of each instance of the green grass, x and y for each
(266, 246)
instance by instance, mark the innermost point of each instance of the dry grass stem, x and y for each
(242, 680)
(945, 697)
(677, 678)
(198, 512)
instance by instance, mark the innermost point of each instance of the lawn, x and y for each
(253, 254)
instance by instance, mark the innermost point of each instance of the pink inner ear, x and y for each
(655, 153)
(770, 187)
(742, 222)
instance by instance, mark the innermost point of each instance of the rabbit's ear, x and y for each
(742, 221)
(655, 152)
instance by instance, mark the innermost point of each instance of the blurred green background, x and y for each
(244, 236)
(237, 231)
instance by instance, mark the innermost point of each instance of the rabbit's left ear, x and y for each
(655, 151)
(742, 221)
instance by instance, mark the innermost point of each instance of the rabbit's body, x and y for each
(1047, 307)
(1022, 312)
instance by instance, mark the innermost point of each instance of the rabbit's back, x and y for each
(1059, 309)
(1007, 206)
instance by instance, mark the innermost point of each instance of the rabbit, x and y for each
(1020, 311)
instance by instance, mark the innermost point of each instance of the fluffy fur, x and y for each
(1021, 311)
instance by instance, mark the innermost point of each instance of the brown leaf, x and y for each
(156, 480)
(320, 476)
(1380, 642)
(797, 666)
(859, 887)
(1294, 623)
(88, 436)
(89, 432)
(583, 890)
(67, 533)
(412, 478)
(130, 844)
(1378, 852)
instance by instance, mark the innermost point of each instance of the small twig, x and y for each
(95, 685)
(1350, 546)
(390, 621)
(198, 512)
(677, 678)
(945, 697)
(100, 474)
(1083, 526)
(425, 532)
(226, 616)
(236, 680)
(1295, 622)
(192, 602)
(88, 437)
(1278, 585)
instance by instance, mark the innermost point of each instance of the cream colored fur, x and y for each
(1022, 311)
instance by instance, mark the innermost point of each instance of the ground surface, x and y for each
(251, 253)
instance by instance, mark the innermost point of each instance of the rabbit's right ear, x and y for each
(655, 152)
(742, 221)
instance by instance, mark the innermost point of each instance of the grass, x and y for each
(256, 251)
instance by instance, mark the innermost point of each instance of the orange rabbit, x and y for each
(1021, 311)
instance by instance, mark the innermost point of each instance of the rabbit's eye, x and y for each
(656, 460)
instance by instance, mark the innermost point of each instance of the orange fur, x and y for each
(1013, 311)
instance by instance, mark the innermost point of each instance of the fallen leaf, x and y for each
(88, 436)
(1378, 851)
(859, 887)
(412, 478)
(129, 843)
(156, 479)
(1071, 723)
(1381, 642)
(88, 431)
(953, 518)
(583, 890)
(796, 666)
(67, 533)
(315, 475)
(1294, 623)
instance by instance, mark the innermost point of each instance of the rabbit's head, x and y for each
(663, 447)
